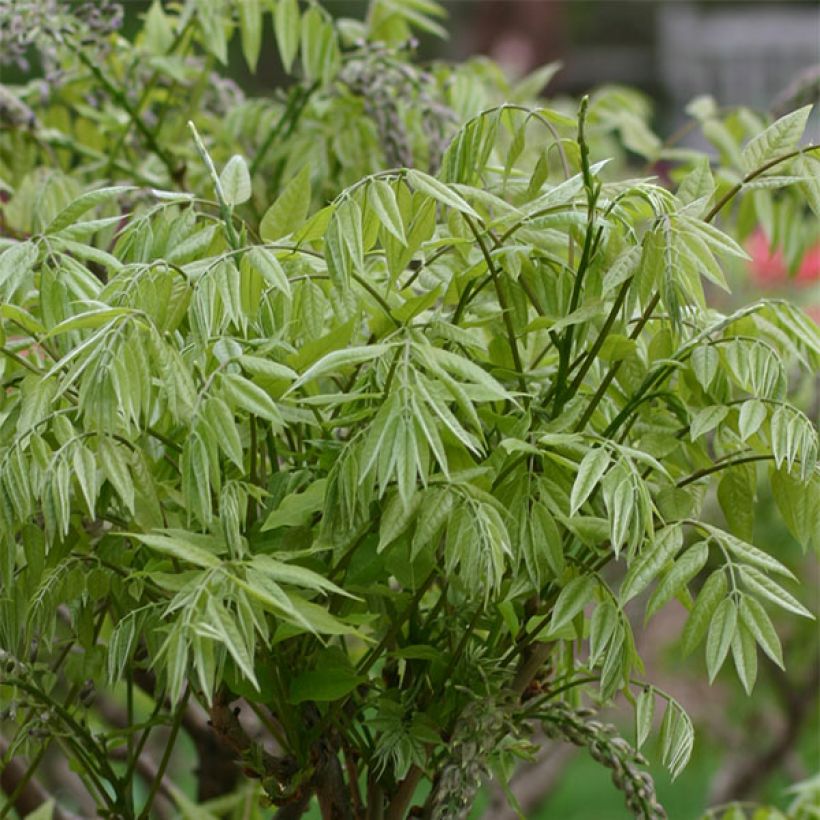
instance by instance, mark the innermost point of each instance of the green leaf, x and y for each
(115, 468)
(289, 210)
(211, 17)
(269, 268)
(439, 191)
(286, 26)
(698, 183)
(435, 509)
(758, 582)
(651, 561)
(266, 367)
(617, 347)
(245, 394)
(704, 362)
(779, 138)
(22, 318)
(752, 415)
(296, 509)
(222, 422)
(705, 420)
(396, 518)
(224, 624)
(186, 546)
(736, 496)
(747, 552)
(711, 594)
(91, 319)
(757, 621)
(85, 202)
(744, 654)
(337, 359)
(15, 264)
(325, 684)
(719, 636)
(250, 30)
(464, 369)
(590, 472)
(548, 538)
(294, 575)
(235, 181)
(683, 571)
(382, 200)
(572, 599)
(85, 469)
(644, 715)
(602, 626)
(798, 503)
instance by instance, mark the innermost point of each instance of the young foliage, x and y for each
(353, 441)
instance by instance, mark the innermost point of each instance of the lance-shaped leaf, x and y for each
(755, 618)
(289, 210)
(245, 394)
(780, 137)
(719, 636)
(590, 472)
(199, 550)
(572, 599)
(382, 200)
(439, 191)
(338, 359)
(651, 561)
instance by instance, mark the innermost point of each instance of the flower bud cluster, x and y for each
(605, 747)
(43, 26)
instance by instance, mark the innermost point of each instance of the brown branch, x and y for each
(33, 794)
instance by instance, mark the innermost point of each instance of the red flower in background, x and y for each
(768, 268)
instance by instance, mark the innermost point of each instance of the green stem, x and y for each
(502, 301)
(166, 756)
(613, 370)
(297, 101)
(602, 336)
(591, 240)
(121, 100)
(735, 189)
(714, 468)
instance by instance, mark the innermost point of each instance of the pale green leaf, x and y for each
(644, 715)
(690, 563)
(286, 26)
(744, 654)
(779, 138)
(242, 392)
(382, 200)
(296, 509)
(439, 191)
(752, 415)
(235, 181)
(757, 621)
(572, 599)
(719, 636)
(182, 545)
(711, 594)
(289, 210)
(761, 584)
(705, 420)
(651, 561)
